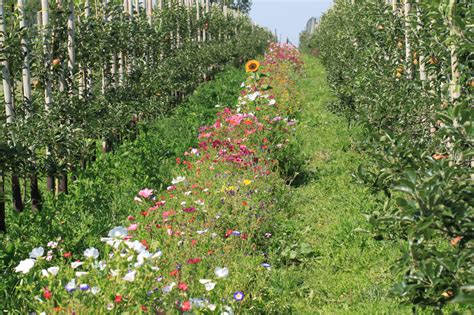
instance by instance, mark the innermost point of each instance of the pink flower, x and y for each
(133, 227)
(145, 193)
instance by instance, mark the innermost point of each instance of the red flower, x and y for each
(228, 233)
(193, 242)
(183, 286)
(174, 272)
(68, 254)
(244, 236)
(144, 308)
(186, 306)
(194, 261)
(118, 298)
(47, 294)
(178, 160)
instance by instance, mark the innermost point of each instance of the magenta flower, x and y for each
(133, 227)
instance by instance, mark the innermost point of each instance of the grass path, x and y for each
(340, 269)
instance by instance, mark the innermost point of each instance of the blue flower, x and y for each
(84, 287)
(239, 295)
(266, 265)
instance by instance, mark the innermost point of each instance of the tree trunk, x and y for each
(3, 224)
(16, 194)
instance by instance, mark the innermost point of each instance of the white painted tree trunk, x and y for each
(422, 62)
(408, 57)
(25, 49)
(71, 62)
(7, 85)
(47, 54)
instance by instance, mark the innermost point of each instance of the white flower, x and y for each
(187, 193)
(183, 203)
(136, 246)
(199, 202)
(71, 286)
(168, 288)
(272, 102)
(50, 271)
(81, 273)
(52, 244)
(118, 232)
(158, 254)
(227, 311)
(25, 265)
(130, 276)
(221, 272)
(137, 199)
(211, 307)
(178, 180)
(99, 265)
(141, 258)
(95, 290)
(91, 253)
(208, 284)
(76, 264)
(37, 252)
(202, 231)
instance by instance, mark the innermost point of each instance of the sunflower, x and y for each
(252, 66)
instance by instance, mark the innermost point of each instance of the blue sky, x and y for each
(289, 17)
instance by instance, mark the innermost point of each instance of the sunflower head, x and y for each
(252, 66)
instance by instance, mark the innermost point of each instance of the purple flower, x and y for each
(236, 233)
(189, 210)
(266, 265)
(84, 287)
(239, 295)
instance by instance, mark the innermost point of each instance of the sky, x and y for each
(289, 17)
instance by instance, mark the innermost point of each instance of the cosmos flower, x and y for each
(71, 285)
(145, 193)
(51, 271)
(133, 227)
(52, 244)
(239, 296)
(25, 265)
(208, 284)
(118, 232)
(178, 180)
(91, 253)
(37, 252)
(130, 276)
(221, 272)
(76, 264)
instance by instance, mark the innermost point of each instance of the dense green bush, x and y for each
(407, 79)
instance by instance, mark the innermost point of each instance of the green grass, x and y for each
(331, 264)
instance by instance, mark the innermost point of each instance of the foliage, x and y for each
(193, 246)
(418, 131)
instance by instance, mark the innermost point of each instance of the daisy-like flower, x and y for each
(25, 265)
(118, 232)
(95, 290)
(208, 284)
(145, 193)
(178, 180)
(51, 271)
(71, 285)
(52, 244)
(76, 264)
(91, 253)
(221, 272)
(130, 276)
(37, 252)
(239, 296)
